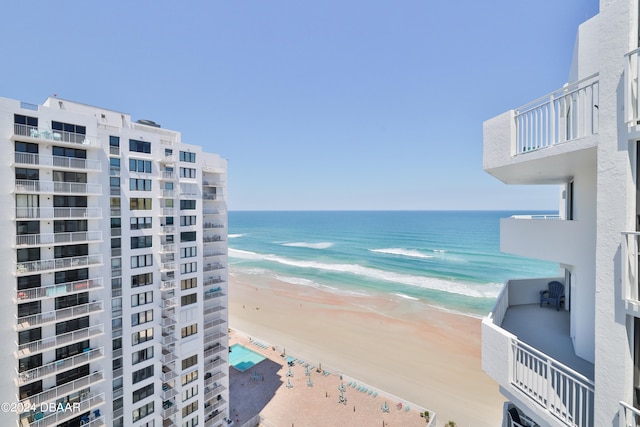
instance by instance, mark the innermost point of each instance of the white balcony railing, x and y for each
(630, 259)
(55, 238)
(59, 365)
(564, 115)
(57, 263)
(64, 389)
(53, 135)
(56, 187)
(86, 405)
(632, 96)
(57, 161)
(629, 416)
(59, 289)
(563, 392)
(58, 213)
(26, 322)
(59, 340)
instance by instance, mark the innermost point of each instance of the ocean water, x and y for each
(449, 259)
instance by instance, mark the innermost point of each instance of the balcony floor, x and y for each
(547, 330)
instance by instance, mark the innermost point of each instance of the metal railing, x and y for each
(46, 213)
(55, 187)
(53, 135)
(64, 389)
(59, 365)
(54, 238)
(59, 340)
(85, 405)
(564, 393)
(59, 289)
(26, 322)
(57, 263)
(57, 161)
(567, 114)
(629, 416)
(630, 260)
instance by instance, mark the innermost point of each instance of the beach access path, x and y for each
(406, 348)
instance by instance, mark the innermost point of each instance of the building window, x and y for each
(185, 156)
(190, 267)
(140, 242)
(187, 331)
(189, 252)
(142, 393)
(69, 127)
(141, 280)
(25, 120)
(188, 236)
(142, 317)
(114, 141)
(140, 337)
(189, 408)
(187, 173)
(189, 362)
(141, 261)
(141, 298)
(27, 174)
(142, 412)
(190, 377)
(140, 223)
(137, 204)
(189, 393)
(189, 283)
(136, 184)
(139, 146)
(188, 299)
(71, 251)
(69, 152)
(140, 166)
(186, 220)
(141, 355)
(187, 204)
(193, 422)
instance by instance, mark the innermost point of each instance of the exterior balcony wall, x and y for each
(42, 160)
(58, 136)
(548, 238)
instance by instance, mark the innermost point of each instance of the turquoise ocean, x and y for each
(448, 259)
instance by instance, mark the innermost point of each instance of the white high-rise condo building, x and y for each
(113, 304)
(577, 364)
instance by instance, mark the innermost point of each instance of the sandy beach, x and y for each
(419, 353)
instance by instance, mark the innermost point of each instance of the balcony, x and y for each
(88, 404)
(27, 322)
(629, 416)
(213, 267)
(213, 281)
(168, 194)
(551, 134)
(57, 264)
(168, 212)
(57, 187)
(57, 162)
(58, 213)
(630, 254)
(63, 390)
(58, 238)
(58, 340)
(167, 176)
(212, 183)
(59, 366)
(167, 374)
(61, 289)
(58, 136)
(537, 365)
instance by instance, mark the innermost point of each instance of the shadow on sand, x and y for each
(251, 390)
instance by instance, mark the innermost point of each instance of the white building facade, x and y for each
(113, 310)
(579, 366)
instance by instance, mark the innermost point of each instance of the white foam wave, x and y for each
(319, 245)
(469, 289)
(403, 252)
(235, 236)
(406, 297)
(298, 281)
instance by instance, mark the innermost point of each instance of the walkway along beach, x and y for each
(404, 347)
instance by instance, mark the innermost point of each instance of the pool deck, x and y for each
(267, 389)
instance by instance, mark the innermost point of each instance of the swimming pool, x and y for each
(242, 358)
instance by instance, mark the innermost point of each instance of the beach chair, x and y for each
(375, 394)
(555, 294)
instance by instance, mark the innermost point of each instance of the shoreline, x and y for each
(405, 347)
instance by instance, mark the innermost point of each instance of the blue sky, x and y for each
(334, 104)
